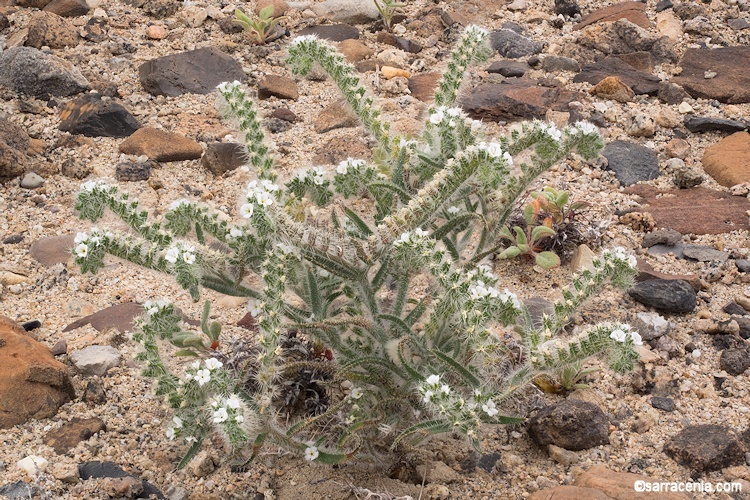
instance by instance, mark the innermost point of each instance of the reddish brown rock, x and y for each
(694, 211)
(277, 86)
(46, 28)
(647, 272)
(677, 148)
(340, 148)
(519, 100)
(728, 161)
(156, 32)
(160, 145)
(423, 85)
(68, 8)
(63, 439)
(14, 145)
(640, 82)
(337, 115)
(732, 81)
(354, 50)
(119, 317)
(635, 12)
(569, 493)
(223, 157)
(620, 485)
(279, 6)
(33, 4)
(32, 383)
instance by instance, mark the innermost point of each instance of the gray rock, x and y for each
(668, 237)
(52, 250)
(510, 41)
(708, 124)
(733, 308)
(573, 424)
(195, 71)
(687, 176)
(735, 360)
(557, 63)
(223, 157)
(95, 360)
(651, 325)
(675, 296)
(630, 162)
(129, 171)
(14, 143)
(703, 253)
(664, 404)
(31, 181)
(706, 448)
(567, 8)
(18, 490)
(743, 265)
(671, 93)
(347, 11)
(639, 81)
(33, 72)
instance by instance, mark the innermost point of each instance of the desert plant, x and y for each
(387, 9)
(261, 27)
(408, 322)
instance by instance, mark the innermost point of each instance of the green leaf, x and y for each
(458, 368)
(403, 195)
(397, 322)
(510, 253)
(186, 352)
(455, 222)
(528, 214)
(540, 232)
(190, 453)
(361, 225)
(547, 260)
(451, 249)
(315, 302)
(430, 427)
(520, 236)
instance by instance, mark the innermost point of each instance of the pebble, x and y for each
(31, 181)
(32, 465)
(156, 32)
(95, 360)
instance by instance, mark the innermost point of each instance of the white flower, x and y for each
(172, 255)
(239, 419)
(494, 150)
(586, 128)
(445, 389)
(453, 210)
(264, 198)
(317, 174)
(304, 39)
(551, 130)
(342, 168)
(188, 257)
(356, 392)
(82, 250)
(311, 453)
(617, 335)
(405, 238)
(81, 238)
(233, 402)
(236, 232)
(453, 112)
(489, 408)
(637, 340)
(246, 210)
(254, 306)
(178, 203)
(421, 232)
(95, 239)
(508, 158)
(202, 377)
(474, 31)
(433, 380)
(89, 186)
(252, 187)
(227, 87)
(177, 422)
(437, 117)
(428, 396)
(269, 186)
(220, 415)
(171, 433)
(213, 363)
(191, 439)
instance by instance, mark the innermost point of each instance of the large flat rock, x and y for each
(732, 81)
(728, 161)
(518, 100)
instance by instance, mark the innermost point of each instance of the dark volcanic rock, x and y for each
(515, 100)
(664, 404)
(509, 69)
(68, 8)
(735, 360)
(707, 124)
(640, 81)
(129, 171)
(675, 296)
(573, 424)
(398, 42)
(511, 41)
(635, 12)
(567, 7)
(705, 448)
(92, 116)
(732, 81)
(671, 93)
(196, 71)
(33, 72)
(557, 63)
(630, 162)
(332, 32)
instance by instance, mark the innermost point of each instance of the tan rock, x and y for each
(156, 32)
(667, 118)
(423, 85)
(279, 6)
(728, 161)
(668, 25)
(355, 51)
(46, 28)
(569, 493)
(391, 72)
(337, 115)
(582, 259)
(33, 384)
(678, 148)
(613, 88)
(277, 86)
(620, 485)
(160, 145)
(8, 278)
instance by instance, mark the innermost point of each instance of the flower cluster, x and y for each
(550, 130)
(202, 375)
(262, 194)
(316, 175)
(411, 237)
(349, 165)
(175, 429)
(183, 252)
(153, 307)
(445, 115)
(623, 334)
(90, 186)
(586, 128)
(620, 254)
(227, 410)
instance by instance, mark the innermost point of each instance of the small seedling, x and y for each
(261, 27)
(387, 9)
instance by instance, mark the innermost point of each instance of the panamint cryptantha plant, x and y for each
(400, 297)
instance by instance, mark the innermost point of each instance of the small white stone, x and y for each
(685, 108)
(33, 465)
